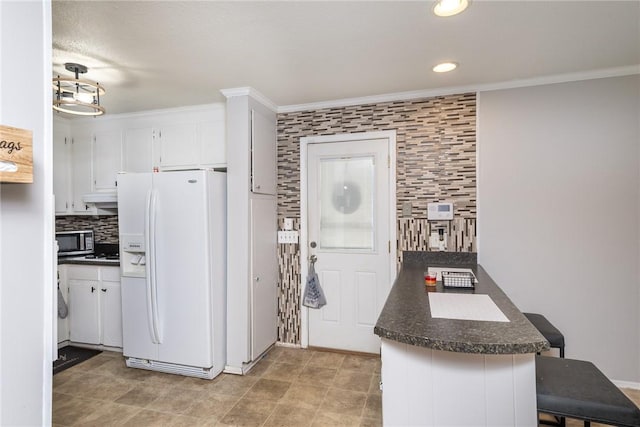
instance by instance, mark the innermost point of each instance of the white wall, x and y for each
(558, 211)
(26, 219)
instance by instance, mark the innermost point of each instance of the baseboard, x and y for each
(626, 384)
(287, 345)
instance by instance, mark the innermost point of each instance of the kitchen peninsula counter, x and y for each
(434, 367)
(406, 317)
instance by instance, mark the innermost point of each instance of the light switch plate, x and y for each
(406, 209)
(290, 236)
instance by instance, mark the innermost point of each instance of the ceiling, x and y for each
(163, 54)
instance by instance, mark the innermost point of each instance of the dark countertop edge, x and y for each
(463, 347)
(100, 263)
(536, 343)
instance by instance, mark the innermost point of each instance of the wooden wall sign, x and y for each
(16, 155)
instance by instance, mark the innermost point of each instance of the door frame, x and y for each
(390, 136)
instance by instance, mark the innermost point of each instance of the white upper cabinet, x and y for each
(211, 139)
(178, 146)
(81, 163)
(263, 154)
(137, 150)
(96, 150)
(107, 159)
(61, 172)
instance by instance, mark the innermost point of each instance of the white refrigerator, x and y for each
(172, 228)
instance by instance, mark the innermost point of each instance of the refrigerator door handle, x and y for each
(149, 267)
(152, 267)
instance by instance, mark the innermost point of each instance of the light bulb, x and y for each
(87, 98)
(445, 67)
(446, 8)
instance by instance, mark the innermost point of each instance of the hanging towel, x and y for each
(313, 295)
(63, 310)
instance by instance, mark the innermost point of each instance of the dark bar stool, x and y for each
(578, 389)
(550, 332)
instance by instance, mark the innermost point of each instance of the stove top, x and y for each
(103, 256)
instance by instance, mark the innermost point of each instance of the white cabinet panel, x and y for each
(84, 323)
(264, 275)
(263, 153)
(211, 135)
(111, 313)
(137, 150)
(61, 171)
(107, 152)
(179, 146)
(81, 170)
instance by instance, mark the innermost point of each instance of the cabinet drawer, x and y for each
(82, 272)
(111, 274)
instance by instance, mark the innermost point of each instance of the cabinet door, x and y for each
(61, 187)
(212, 140)
(80, 170)
(107, 152)
(111, 313)
(264, 275)
(179, 146)
(263, 153)
(84, 325)
(137, 150)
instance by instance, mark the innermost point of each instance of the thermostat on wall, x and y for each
(439, 211)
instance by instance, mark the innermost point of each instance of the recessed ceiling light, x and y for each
(450, 7)
(445, 67)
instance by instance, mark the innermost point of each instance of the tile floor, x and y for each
(289, 387)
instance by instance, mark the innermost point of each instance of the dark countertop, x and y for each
(78, 261)
(406, 317)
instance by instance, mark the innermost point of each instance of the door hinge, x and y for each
(389, 241)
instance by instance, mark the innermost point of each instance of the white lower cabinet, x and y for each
(95, 312)
(111, 307)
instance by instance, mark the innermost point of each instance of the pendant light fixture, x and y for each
(77, 96)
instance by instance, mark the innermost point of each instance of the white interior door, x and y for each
(348, 213)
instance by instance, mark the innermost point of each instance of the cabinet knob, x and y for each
(257, 187)
(93, 289)
(104, 290)
(257, 278)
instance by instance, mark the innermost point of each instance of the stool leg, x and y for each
(562, 352)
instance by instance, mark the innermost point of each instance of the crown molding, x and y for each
(249, 91)
(404, 96)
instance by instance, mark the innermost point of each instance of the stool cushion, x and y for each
(577, 389)
(550, 332)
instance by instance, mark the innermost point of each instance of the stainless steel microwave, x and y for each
(75, 242)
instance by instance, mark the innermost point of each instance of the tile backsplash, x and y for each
(105, 228)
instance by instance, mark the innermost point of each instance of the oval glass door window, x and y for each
(346, 197)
